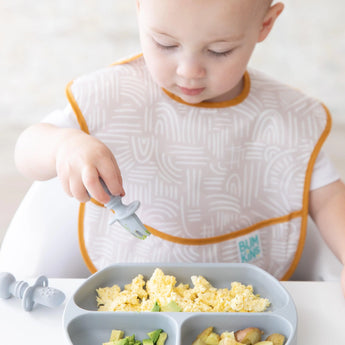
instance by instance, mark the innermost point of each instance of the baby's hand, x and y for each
(80, 161)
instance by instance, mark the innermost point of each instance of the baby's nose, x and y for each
(190, 68)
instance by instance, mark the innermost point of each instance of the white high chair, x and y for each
(317, 261)
(43, 239)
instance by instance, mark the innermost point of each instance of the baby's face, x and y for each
(199, 49)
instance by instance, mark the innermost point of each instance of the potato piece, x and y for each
(248, 336)
(227, 335)
(212, 339)
(264, 342)
(229, 341)
(276, 339)
(198, 341)
(205, 333)
(201, 338)
(228, 338)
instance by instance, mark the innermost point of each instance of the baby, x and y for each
(226, 162)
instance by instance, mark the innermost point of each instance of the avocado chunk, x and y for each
(123, 341)
(154, 335)
(131, 339)
(162, 338)
(116, 334)
(156, 307)
(148, 342)
(172, 306)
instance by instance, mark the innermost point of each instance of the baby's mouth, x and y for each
(191, 91)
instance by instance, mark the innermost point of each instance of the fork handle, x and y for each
(122, 211)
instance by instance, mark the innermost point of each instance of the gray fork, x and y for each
(125, 215)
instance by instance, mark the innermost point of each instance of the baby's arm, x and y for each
(44, 151)
(327, 208)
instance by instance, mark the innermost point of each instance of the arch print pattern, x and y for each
(221, 182)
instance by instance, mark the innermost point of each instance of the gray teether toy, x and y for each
(125, 215)
(39, 293)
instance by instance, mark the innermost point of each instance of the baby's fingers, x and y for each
(94, 188)
(65, 183)
(78, 190)
(111, 176)
(73, 186)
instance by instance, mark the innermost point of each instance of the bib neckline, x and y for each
(237, 100)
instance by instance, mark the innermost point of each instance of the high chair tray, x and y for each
(84, 325)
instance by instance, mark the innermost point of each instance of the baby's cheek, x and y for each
(163, 76)
(159, 70)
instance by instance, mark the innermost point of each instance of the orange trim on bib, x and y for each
(82, 246)
(127, 60)
(180, 240)
(96, 202)
(225, 237)
(305, 207)
(215, 239)
(76, 109)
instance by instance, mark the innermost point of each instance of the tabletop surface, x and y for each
(320, 308)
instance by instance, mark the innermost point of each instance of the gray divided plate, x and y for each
(84, 325)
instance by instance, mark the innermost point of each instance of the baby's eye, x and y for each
(164, 46)
(221, 53)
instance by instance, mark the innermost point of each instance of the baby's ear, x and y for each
(269, 20)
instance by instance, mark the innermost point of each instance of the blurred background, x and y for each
(45, 44)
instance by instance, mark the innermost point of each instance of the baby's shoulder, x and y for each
(120, 83)
(131, 67)
(267, 85)
(271, 93)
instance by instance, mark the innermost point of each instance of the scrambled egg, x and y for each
(160, 288)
